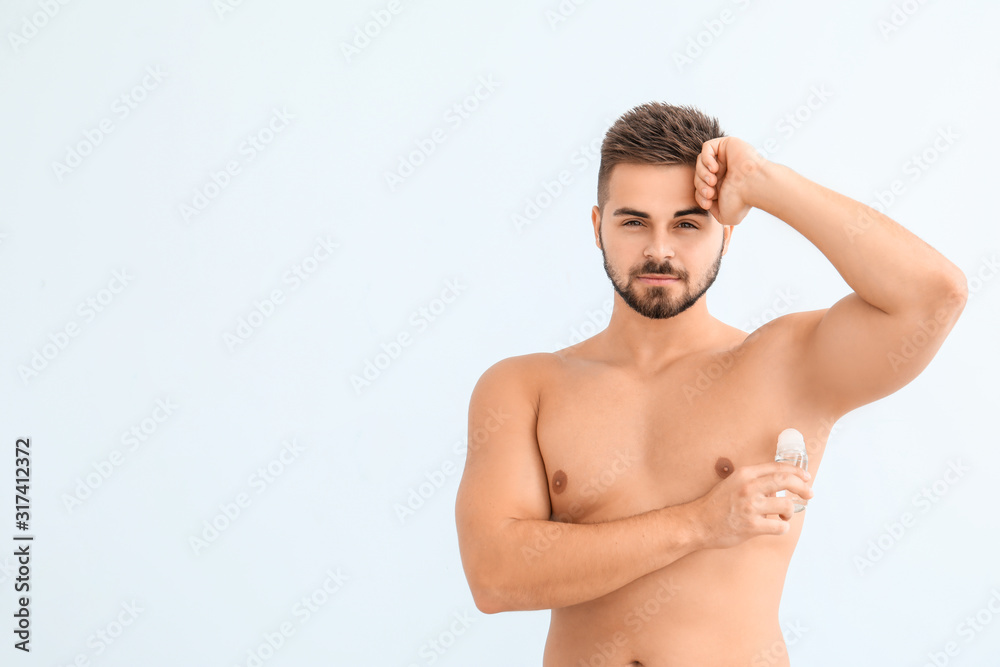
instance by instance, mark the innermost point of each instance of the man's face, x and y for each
(641, 233)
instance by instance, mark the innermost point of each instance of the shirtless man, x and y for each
(628, 482)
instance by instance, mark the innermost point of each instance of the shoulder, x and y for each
(523, 371)
(520, 375)
(785, 329)
(779, 343)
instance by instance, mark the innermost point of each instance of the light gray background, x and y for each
(334, 507)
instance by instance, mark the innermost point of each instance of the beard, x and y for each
(660, 302)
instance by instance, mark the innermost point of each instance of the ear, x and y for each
(595, 215)
(727, 232)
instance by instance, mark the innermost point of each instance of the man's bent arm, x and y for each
(514, 556)
(542, 564)
(884, 263)
(907, 296)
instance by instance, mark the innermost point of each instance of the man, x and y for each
(628, 482)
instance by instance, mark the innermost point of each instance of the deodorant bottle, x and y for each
(792, 449)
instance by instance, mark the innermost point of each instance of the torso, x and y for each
(616, 443)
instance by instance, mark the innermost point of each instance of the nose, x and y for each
(660, 246)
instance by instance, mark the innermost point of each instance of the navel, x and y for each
(559, 481)
(724, 467)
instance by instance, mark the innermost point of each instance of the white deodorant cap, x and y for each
(790, 438)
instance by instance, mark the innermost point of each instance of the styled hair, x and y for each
(654, 133)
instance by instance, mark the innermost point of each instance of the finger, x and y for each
(794, 487)
(773, 526)
(703, 193)
(783, 507)
(699, 182)
(703, 201)
(701, 171)
(784, 481)
(708, 151)
(772, 467)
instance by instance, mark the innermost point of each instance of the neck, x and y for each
(650, 344)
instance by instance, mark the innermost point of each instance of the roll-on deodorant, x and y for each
(792, 449)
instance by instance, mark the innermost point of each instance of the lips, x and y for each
(658, 278)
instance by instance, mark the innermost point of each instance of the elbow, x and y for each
(945, 297)
(486, 598)
(486, 604)
(956, 293)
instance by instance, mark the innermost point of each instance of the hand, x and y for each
(723, 179)
(736, 508)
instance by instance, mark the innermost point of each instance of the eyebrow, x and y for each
(625, 210)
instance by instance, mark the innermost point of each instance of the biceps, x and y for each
(854, 354)
(504, 476)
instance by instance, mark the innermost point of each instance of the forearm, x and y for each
(884, 263)
(548, 564)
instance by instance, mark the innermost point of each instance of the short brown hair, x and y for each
(654, 133)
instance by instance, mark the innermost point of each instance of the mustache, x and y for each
(667, 269)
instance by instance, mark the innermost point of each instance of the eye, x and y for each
(626, 223)
(693, 226)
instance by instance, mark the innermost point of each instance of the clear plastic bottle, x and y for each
(792, 449)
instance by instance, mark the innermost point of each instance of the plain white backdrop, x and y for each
(234, 209)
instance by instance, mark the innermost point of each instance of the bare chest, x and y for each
(615, 445)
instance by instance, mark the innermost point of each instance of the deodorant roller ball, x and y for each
(792, 449)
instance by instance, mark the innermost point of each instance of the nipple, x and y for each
(559, 481)
(724, 467)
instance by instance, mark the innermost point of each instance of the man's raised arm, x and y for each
(907, 296)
